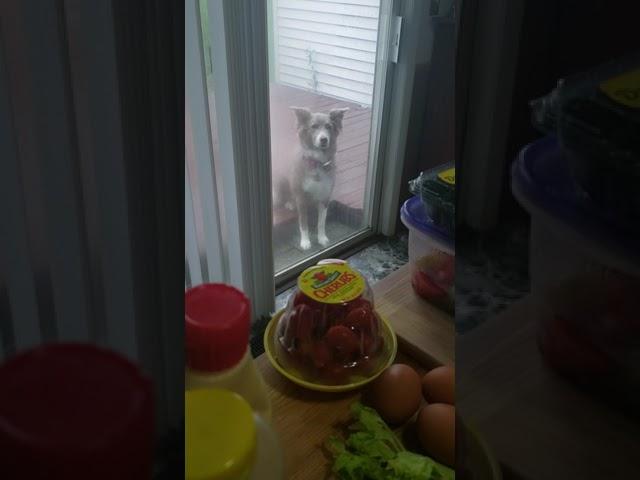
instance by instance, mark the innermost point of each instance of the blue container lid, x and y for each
(415, 215)
(540, 175)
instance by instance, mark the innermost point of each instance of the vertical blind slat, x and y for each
(29, 258)
(59, 175)
(7, 342)
(98, 116)
(226, 165)
(190, 239)
(19, 298)
(207, 212)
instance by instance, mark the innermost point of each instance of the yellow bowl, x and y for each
(481, 460)
(390, 349)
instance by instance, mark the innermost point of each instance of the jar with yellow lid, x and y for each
(226, 440)
(216, 330)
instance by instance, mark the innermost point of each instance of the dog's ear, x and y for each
(336, 115)
(303, 115)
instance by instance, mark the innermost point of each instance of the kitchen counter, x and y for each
(538, 424)
(305, 419)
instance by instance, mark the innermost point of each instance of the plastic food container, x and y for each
(329, 333)
(585, 274)
(226, 440)
(217, 323)
(596, 116)
(431, 254)
(437, 189)
(74, 411)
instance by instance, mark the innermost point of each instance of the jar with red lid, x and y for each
(217, 325)
(75, 411)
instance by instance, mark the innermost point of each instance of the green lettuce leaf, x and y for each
(374, 452)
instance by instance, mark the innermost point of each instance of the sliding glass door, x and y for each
(328, 64)
(297, 114)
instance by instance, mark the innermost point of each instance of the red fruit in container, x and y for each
(335, 313)
(445, 273)
(570, 351)
(343, 342)
(360, 320)
(304, 327)
(301, 299)
(359, 303)
(304, 350)
(329, 328)
(288, 329)
(321, 354)
(425, 287)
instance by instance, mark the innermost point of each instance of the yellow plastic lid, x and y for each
(331, 282)
(220, 435)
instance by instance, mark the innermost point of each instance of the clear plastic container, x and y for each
(217, 323)
(596, 116)
(585, 275)
(437, 189)
(226, 440)
(329, 332)
(431, 255)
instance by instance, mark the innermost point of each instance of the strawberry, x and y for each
(304, 327)
(569, 350)
(445, 274)
(334, 313)
(343, 342)
(359, 303)
(425, 287)
(359, 320)
(301, 299)
(321, 354)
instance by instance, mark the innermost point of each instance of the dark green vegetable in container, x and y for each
(437, 189)
(373, 452)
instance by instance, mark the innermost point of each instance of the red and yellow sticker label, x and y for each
(448, 176)
(624, 89)
(331, 283)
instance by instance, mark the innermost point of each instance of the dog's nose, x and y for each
(323, 141)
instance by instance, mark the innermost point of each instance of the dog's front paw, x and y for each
(323, 240)
(305, 244)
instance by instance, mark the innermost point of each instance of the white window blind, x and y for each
(206, 259)
(75, 264)
(228, 171)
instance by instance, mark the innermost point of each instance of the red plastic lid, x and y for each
(75, 411)
(216, 327)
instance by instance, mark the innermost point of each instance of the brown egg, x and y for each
(436, 426)
(395, 394)
(439, 385)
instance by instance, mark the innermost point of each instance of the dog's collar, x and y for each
(317, 163)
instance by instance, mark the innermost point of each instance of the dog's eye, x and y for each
(315, 125)
(328, 126)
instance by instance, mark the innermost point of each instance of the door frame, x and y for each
(241, 86)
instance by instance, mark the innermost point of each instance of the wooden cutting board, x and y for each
(305, 419)
(424, 332)
(537, 424)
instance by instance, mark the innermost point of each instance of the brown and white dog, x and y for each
(313, 171)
